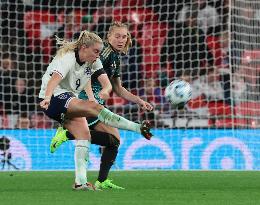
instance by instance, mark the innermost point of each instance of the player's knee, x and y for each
(99, 107)
(92, 108)
(114, 141)
(95, 106)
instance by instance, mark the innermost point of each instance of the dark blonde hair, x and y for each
(86, 38)
(118, 24)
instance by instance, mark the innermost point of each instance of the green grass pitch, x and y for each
(142, 187)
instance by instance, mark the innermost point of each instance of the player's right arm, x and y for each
(106, 86)
(51, 85)
(57, 70)
(89, 91)
(100, 75)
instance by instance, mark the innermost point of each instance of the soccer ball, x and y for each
(178, 93)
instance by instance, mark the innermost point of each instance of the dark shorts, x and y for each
(58, 106)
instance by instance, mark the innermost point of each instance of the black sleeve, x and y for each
(99, 72)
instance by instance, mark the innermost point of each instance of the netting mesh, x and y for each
(212, 44)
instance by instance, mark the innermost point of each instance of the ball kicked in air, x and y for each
(178, 93)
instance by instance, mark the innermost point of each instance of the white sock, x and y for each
(114, 120)
(81, 157)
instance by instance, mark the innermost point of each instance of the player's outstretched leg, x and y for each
(117, 121)
(61, 135)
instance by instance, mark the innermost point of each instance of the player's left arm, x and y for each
(52, 84)
(122, 92)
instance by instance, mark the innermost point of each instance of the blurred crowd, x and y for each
(209, 43)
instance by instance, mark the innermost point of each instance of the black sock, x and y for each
(107, 160)
(97, 137)
(103, 138)
(109, 153)
(70, 136)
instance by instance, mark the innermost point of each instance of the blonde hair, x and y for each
(86, 38)
(118, 24)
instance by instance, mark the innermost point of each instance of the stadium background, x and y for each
(212, 44)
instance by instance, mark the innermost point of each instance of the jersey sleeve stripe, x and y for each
(55, 71)
(106, 53)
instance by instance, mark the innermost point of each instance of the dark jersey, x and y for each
(111, 64)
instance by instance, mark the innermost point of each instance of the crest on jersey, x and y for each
(88, 71)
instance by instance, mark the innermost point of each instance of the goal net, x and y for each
(212, 44)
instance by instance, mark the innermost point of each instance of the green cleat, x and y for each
(107, 184)
(58, 139)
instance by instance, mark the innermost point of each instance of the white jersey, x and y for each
(74, 76)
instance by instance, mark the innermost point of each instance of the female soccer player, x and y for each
(67, 75)
(118, 41)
